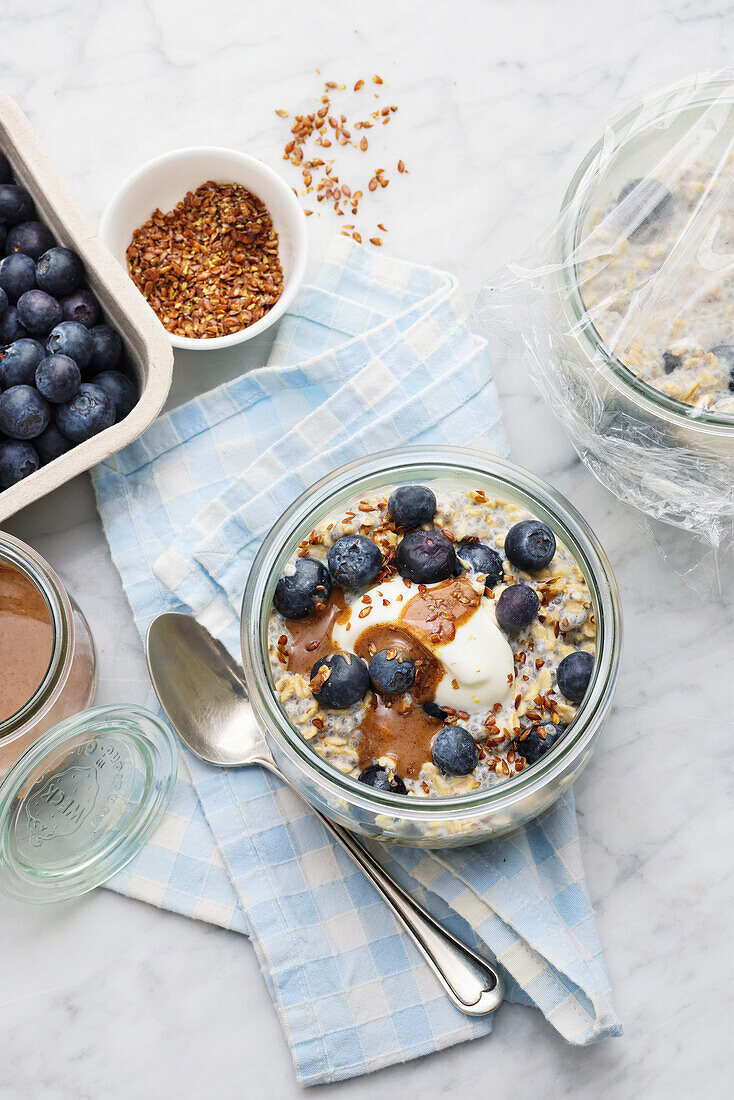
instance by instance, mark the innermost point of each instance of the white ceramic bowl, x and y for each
(164, 181)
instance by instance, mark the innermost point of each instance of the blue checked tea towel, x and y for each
(377, 353)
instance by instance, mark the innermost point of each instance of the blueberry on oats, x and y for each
(480, 558)
(534, 741)
(530, 545)
(339, 680)
(455, 751)
(377, 777)
(391, 673)
(573, 675)
(411, 505)
(304, 590)
(354, 560)
(517, 607)
(425, 557)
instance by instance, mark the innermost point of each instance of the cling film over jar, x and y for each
(623, 313)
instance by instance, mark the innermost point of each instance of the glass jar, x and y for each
(430, 822)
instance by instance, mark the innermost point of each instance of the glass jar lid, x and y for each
(82, 800)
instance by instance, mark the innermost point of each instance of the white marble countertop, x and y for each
(498, 101)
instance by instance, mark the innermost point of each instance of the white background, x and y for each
(498, 100)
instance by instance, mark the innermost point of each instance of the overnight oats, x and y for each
(431, 640)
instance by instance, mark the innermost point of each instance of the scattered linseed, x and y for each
(210, 266)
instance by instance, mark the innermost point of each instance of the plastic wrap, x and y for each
(623, 313)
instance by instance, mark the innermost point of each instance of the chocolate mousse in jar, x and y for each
(48, 663)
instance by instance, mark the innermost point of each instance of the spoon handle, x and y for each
(470, 981)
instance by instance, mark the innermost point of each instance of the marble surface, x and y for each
(498, 101)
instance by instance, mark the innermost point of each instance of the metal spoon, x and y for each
(204, 695)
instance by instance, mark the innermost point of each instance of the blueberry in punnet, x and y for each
(303, 590)
(354, 560)
(18, 459)
(51, 444)
(517, 607)
(5, 169)
(87, 414)
(120, 390)
(10, 327)
(650, 203)
(72, 339)
(425, 557)
(58, 378)
(530, 545)
(455, 751)
(107, 348)
(17, 274)
(18, 362)
(80, 306)
(30, 238)
(24, 413)
(433, 710)
(391, 673)
(725, 353)
(573, 675)
(381, 780)
(411, 505)
(3, 237)
(59, 272)
(4, 303)
(537, 740)
(16, 205)
(481, 559)
(339, 680)
(671, 361)
(38, 312)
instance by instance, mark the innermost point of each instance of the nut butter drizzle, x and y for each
(26, 640)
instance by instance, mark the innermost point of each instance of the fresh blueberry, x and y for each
(649, 205)
(24, 413)
(534, 741)
(517, 607)
(5, 169)
(51, 444)
(18, 459)
(10, 326)
(72, 339)
(354, 560)
(725, 352)
(3, 237)
(4, 303)
(120, 390)
(18, 362)
(81, 306)
(425, 557)
(377, 777)
(88, 413)
(455, 751)
(530, 545)
(30, 238)
(38, 312)
(303, 591)
(671, 362)
(339, 680)
(573, 675)
(480, 558)
(58, 378)
(433, 710)
(59, 272)
(107, 348)
(16, 205)
(411, 505)
(391, 673)
(17, 275)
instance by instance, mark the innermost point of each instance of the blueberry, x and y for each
(536, 740)
(354, 560)
(425, 557)
(24, 413)
(4, 303)
(88, 413)
(725, 352)
(671, 362)
(58, 378)
(339, 680)
(38, 312)
(3, 236)
(304, 591)
(17, 274)
(120, 390)
(80, 306)
(480, 558)
(30, 238)
(59, 272)
(455, 751)
(530, 545)
(649, 206)
(51, 444)
(411, 505)
(517, 607)
(18, 362)
(16, 205)
(107, 348)
(72, 339)
(5, 169)
(391, 673)
(10, 327)
(18, 459)
(377, 777)
(573, 675)
(433, 710)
